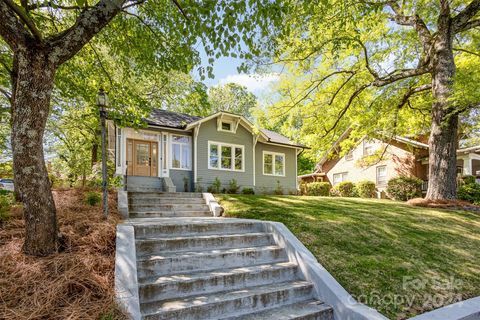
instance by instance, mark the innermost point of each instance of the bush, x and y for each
(366, 189)
(343, 189)
(404, 188)
(215, 187)
(6, 201)
(248, 191)
(233, 187)
(468, 179)
(93, 198)
(317, 189)
(469, 192)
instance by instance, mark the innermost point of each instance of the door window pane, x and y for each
(143, 154)
(175, 155)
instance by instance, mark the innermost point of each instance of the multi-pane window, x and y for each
(349, 155)
(273, 164)
(181, 152)
(368, 147)
(225, 156)
(381, 175)
(340, 177)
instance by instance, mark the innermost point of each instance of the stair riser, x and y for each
(167, 207)
(145, 247)
(185, 195)
(152, 292)
(176, 265)
(322, 315)
(240, 305)
(165, 201)
(170, 214)
(196, 229)
(144, 189)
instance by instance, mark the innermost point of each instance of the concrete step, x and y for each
(225, 241)
(176, 286)
(194, 228)
(147, 194)
(165, 201)
(218, 304)
(167, 207)
(170, 263)
(142, 189)
(304, 310)
(170, 214)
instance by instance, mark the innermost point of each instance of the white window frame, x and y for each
(232, 126)
(368, 144)
(189, 144)
(273, 154)
(343, 175)
(349, 155)
(233, 146)
(377, 176)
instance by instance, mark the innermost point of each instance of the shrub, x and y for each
(317, 189)
(233, 187)
(404, 188)
(215, 187)
(468, 179)
(343, 189)
(6, 201)
(248, 191)
(366, 189)
(279, 189)
(469, 192)
(93, 198)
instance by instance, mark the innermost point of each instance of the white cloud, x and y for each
(254, 82)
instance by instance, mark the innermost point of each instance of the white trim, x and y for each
(196, 131)
(170, 147)
(230, 122)
(273, 163)
(283, 145)
(233, 146)
(255, 140)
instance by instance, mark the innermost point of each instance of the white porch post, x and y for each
(467, 165)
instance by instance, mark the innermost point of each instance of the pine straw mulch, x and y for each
(77, 283)
(444, 204)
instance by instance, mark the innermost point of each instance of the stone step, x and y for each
(170, 214)
(170, 263)
(167, 207)
(304, 310)
(182, 285)
(242, 301)
(193, 228)
(157, 194)
(144, 189)
(225, 241)
(165, 201)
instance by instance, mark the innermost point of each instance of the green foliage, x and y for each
(215, 186)
(248, 191)
(7, 199)
(366, 189)
(318, 189)
(469, 191)
(343, 189)
(305, 164)
(279, 189)
(93, 198)
(233, 98)
(468, 179)
(233, 187)
(404, 188)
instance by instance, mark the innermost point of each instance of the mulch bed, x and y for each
(77, 283)
(444, 204)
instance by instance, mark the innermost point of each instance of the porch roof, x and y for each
(170, 119)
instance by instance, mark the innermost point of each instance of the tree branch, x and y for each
(22, 14)
(461, 20)
(11, 30)
(470, 25)
(180, 8)
(413, 21)
(7, 94)
(467, 51)
(411, 92)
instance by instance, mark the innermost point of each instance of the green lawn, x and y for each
(398, 259)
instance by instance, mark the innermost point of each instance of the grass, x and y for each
(399, 259)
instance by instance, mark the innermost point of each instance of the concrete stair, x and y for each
(195, 267)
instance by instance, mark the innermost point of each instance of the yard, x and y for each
(399, 259)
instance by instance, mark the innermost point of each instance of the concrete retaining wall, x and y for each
(464, 310)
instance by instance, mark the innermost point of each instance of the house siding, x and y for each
(205, 176)
(180, 177)
(268, 184)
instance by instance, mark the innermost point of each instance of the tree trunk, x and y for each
(34, 83)
(443, 136)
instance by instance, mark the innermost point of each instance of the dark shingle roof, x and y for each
(278, 138)
(170, 119)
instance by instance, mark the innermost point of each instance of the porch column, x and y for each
(467, 165)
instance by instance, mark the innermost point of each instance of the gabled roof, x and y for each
(170, 119)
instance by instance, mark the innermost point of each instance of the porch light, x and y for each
(102, 100)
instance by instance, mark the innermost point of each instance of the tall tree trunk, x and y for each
(34, 83)
(443, 136)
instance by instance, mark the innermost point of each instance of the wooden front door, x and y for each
(142, 158)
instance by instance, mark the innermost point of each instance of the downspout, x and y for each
(255, 140)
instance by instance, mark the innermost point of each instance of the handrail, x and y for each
(126, 177)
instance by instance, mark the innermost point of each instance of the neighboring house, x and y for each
(400, 156)
(188, 153)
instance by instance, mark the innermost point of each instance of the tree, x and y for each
(233, 98)
(43, 36)
(388, 66)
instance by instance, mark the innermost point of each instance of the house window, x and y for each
(226, 126)
(349, 155)
(381, 175)
(368, 148)
(181, 152)
(222, 156)
(339, 177)
(273, 164)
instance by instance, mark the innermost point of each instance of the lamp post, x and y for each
(102, 103)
